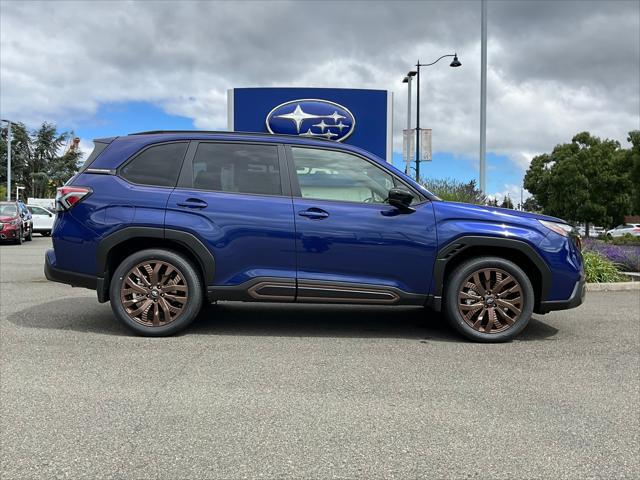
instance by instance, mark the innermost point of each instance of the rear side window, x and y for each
(158, 165)
(97, 150)
(226, 167)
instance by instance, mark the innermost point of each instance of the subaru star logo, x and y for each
(312, 118)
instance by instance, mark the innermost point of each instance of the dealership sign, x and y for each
(355, 116)
(312, 117)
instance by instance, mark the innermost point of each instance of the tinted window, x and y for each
(330, 175)
(226, 167)
(158, 165)
(38, 210)
(8, 209)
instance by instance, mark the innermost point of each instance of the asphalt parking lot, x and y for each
(273, 391)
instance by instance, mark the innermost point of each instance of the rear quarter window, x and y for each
(158, 165)
(97, 150)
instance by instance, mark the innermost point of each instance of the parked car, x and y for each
(15, 222)
(593, 231)
(161, 222)
(42, 220)
(624, 229)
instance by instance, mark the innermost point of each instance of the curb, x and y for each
(617, 286)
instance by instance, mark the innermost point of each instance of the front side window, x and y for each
(331, 175)
(230, 167)
(158, 165)
(38, 211)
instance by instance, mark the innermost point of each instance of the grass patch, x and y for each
(600, 269)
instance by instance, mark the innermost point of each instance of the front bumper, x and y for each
(9, 232)
(575, 300)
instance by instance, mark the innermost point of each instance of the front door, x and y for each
(233, 198)
(351, 244)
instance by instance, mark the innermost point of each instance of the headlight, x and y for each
(560, 228)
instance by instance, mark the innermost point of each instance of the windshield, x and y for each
(8, 210)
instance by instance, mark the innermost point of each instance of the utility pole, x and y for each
(418, 122)
(483, 98)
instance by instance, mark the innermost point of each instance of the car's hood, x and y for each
(6, 219)
(467, 207)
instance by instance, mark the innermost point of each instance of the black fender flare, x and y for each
(460, 244)
(186, 239)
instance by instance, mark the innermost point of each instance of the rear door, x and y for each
(234, 198)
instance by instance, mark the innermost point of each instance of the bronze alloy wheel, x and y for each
(490, 300)
(154, 293)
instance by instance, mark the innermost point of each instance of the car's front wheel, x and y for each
(19, 237)
(156, 292)
(489, 299)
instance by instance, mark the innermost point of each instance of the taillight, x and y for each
(69, 197)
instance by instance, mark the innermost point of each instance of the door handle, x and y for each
(193, 203)
(314, 213)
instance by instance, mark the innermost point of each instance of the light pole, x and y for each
(407, 80)
(483, 97)
(455, 63)
(8, 159)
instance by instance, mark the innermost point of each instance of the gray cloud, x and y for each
(555, 68)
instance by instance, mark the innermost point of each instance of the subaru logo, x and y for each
(311, 117)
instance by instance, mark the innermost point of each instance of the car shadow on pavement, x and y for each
(83, 314)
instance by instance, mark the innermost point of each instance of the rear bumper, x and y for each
(64, 276)
(575, 300)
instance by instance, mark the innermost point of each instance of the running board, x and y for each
(265, 289)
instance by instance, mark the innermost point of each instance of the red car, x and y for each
(16, 223)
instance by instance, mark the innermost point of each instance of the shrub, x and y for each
(626, 239)
(599, 269)
(626, 257)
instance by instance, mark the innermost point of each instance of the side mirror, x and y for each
(50, 215)
(401, 199)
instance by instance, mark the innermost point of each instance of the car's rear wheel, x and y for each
(489, 299)
(156, 292)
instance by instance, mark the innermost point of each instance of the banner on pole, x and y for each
(408, 145)
(425, 145)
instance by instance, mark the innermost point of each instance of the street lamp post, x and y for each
(8, 158)
(454, 63)
(407, 80)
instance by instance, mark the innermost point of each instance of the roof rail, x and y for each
(227, 132)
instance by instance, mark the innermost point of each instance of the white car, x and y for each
(42, 220)
(626, 228)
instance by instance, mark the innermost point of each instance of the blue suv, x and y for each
(158, 223)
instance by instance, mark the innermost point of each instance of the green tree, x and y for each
(531, 205)
(38, 160)
(506, 202)
(455, 191)
(633, 162)
(582, 181)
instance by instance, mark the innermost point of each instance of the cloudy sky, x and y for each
(554, 67)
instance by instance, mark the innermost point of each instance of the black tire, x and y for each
(457, 282)
(46, 234)
(20, 238)
(190, 276)
(29, 237)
